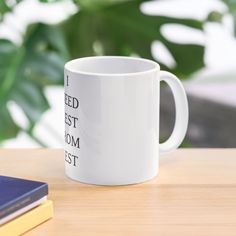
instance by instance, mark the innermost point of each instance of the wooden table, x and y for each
(194, 194)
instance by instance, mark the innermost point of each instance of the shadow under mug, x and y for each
(112, 119)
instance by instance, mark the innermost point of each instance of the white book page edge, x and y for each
(22, 210)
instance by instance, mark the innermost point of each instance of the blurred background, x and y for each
(193, 39)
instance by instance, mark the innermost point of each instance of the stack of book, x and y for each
(23, 205)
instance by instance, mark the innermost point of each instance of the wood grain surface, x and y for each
(193, 194)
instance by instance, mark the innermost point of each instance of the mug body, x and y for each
(111, 120)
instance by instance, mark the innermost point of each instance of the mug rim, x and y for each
(155, 66)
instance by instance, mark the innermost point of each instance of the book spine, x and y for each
(25, 200)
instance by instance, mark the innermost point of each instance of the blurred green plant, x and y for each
(232, 11)
(25, 70)
(100, 27)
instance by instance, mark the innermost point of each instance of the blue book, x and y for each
(16, 194)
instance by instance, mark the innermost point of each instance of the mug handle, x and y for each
(181, 109)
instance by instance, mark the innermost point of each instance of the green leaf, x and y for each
(7, 6)
(4, 7)
(120, 28)
(31, 99)
(26, 70)
(8, 128)
(215, 16)
(189, 59)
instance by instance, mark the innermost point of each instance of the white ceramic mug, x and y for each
(112, 119)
